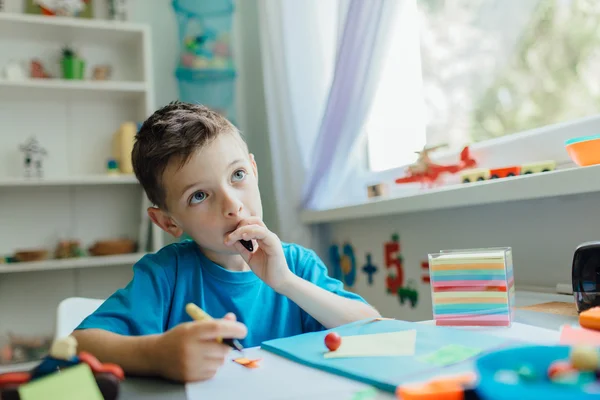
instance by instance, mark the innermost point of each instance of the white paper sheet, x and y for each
(388, 344)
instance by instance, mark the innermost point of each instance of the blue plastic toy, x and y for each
(501, 378)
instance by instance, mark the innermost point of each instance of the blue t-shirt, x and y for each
(163, 283)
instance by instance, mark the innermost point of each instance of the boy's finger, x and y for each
(213, 350)
(230, 316)
(247, 232)
(252, 221)
(220, 328)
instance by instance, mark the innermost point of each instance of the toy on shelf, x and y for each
(122, 146)
(28, 255)
(118, 10)
(585, 150)
(62, 356)
(33, 157)
(14, 71)
(473, 287)
(37, 70)
(112, 167)
(73, 66)
(483, 174)
(63, 8)
(68, 249)
(101, 72)
(425, 171)
(112, 247)
(377, 190)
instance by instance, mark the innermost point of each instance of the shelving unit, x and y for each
(72, 263)
(71, 181)
(74, 121)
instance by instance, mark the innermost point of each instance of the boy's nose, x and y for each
(232, 207)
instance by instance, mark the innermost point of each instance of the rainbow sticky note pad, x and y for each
(472, 287)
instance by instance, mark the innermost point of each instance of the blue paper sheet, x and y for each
(386, 373)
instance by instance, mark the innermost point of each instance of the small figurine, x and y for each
(33, 157)
(63, 354)
(118, 10)
(101, 72)
(37, 70)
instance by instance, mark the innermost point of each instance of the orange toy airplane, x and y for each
(427, 172)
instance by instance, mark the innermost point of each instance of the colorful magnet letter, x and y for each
(369, 269)
(333, 341)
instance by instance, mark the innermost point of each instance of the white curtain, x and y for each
(298, 46)
(321, 66)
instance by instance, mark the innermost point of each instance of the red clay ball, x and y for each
(333, 341)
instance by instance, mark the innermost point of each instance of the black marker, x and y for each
(247, 244)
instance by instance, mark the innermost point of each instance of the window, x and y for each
(465, 71)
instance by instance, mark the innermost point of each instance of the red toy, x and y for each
(107, 377)
(333, 341)
(428, 172)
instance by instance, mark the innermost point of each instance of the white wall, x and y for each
(542, 233)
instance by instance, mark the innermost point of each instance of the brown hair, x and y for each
(173, 132)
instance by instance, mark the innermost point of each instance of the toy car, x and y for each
(108, 376)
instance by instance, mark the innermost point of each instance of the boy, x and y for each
(197, 171)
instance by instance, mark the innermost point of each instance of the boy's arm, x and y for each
(326, 307)
(135, 354)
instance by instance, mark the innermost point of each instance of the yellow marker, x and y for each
(198, 314)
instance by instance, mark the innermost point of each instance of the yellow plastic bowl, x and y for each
(584, 151)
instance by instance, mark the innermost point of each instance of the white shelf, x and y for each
(564, 182)
(72, 263)
(56, 87)
(65, 28)
(70, 181)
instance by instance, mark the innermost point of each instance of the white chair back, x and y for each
(71, 312)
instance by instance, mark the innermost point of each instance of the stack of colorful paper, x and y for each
(473, 287)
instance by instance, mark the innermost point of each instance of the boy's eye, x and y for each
(239, 175)
(198, 198)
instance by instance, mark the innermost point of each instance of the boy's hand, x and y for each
(189, 351)
(267, 260)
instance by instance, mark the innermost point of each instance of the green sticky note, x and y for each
(74, 383)
(365, 394)
(450, 354)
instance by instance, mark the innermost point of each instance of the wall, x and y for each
(543, 235)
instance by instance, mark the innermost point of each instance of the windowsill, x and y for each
(557, 183)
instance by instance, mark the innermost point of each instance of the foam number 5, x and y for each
(393, 263)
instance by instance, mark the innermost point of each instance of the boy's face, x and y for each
(211, 194)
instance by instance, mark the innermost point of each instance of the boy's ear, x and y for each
(166, 223)
(254, 167)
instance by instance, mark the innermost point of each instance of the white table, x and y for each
(281, 379)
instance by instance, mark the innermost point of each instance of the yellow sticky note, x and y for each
(74, 383)
(401, 343)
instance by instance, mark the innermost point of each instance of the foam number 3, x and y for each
(393, 263)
